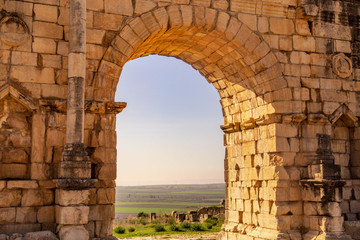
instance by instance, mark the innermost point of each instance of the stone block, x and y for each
(302, 27)
(124, 7)
(250, 20)
(355, 172)
(72, 215)
(37, 197)
(44, 45)
(2, 185)
(329, 30)
(73, 232)
(342, 46)
(281, 26)
(107, 21)
(334, 224)
(142, 6)
(22, 184)
(24, 58)
(48, 235)
(7, 215)
(71, 197)
(354, 206)
(47, 30)
(40, 171)
(306, 44)
(72, 169)
(13, 171)
(26, 215)
(352, 228)
(46, 214)
(103, 228)
(220, 4)
(90, 227)
(10, 198)
(30, 74)
(106, 196)
(263, 24)
(95, 36)
(15, 156)
(96, 5)
(19, 228)
(46, 13)
(52, 61)
(101, 212)
(107, 171)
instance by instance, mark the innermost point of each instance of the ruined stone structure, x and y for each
(287, 72)
(200, 215)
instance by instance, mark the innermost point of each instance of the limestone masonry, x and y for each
(287, 72)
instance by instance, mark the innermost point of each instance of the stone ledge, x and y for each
(90, 106)
(75, 184)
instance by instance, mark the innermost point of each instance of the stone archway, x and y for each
(287, 73)
(239, 64)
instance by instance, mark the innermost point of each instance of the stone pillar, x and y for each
(76, 72)
(322, 195)
(72, 194)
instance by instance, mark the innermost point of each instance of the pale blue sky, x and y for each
(169, 133)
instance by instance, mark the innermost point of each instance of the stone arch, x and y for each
(244, 70)
(235, 59)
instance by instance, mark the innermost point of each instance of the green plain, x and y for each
(148, 230)
(150, 210)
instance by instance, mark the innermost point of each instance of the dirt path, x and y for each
(204, 236)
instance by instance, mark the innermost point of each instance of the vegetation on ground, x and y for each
(119, 230)
(141, 200)
(167, 226)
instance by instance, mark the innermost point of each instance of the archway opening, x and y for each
(168, 135)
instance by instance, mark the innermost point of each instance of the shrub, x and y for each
(171, 221)
(159, 228)
(197, 227)
(131, 229)
(209, 226)
(142, 215)
(175, 228)
(211, 221)
(119, 230)
(186, 225)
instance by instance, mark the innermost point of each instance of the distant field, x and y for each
(166, 198)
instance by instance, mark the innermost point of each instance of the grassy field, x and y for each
(150, 229)
(166, 198)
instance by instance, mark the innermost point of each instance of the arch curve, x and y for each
(235, 59)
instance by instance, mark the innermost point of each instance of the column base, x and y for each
(75, 162)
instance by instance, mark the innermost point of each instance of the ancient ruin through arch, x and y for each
(287, 73)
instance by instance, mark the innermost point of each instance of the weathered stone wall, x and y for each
(288, 76)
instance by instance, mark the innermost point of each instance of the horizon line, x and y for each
(171, 184)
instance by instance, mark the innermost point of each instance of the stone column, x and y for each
(76, 72)
(72, 194)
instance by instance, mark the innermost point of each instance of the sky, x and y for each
(169, 133)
